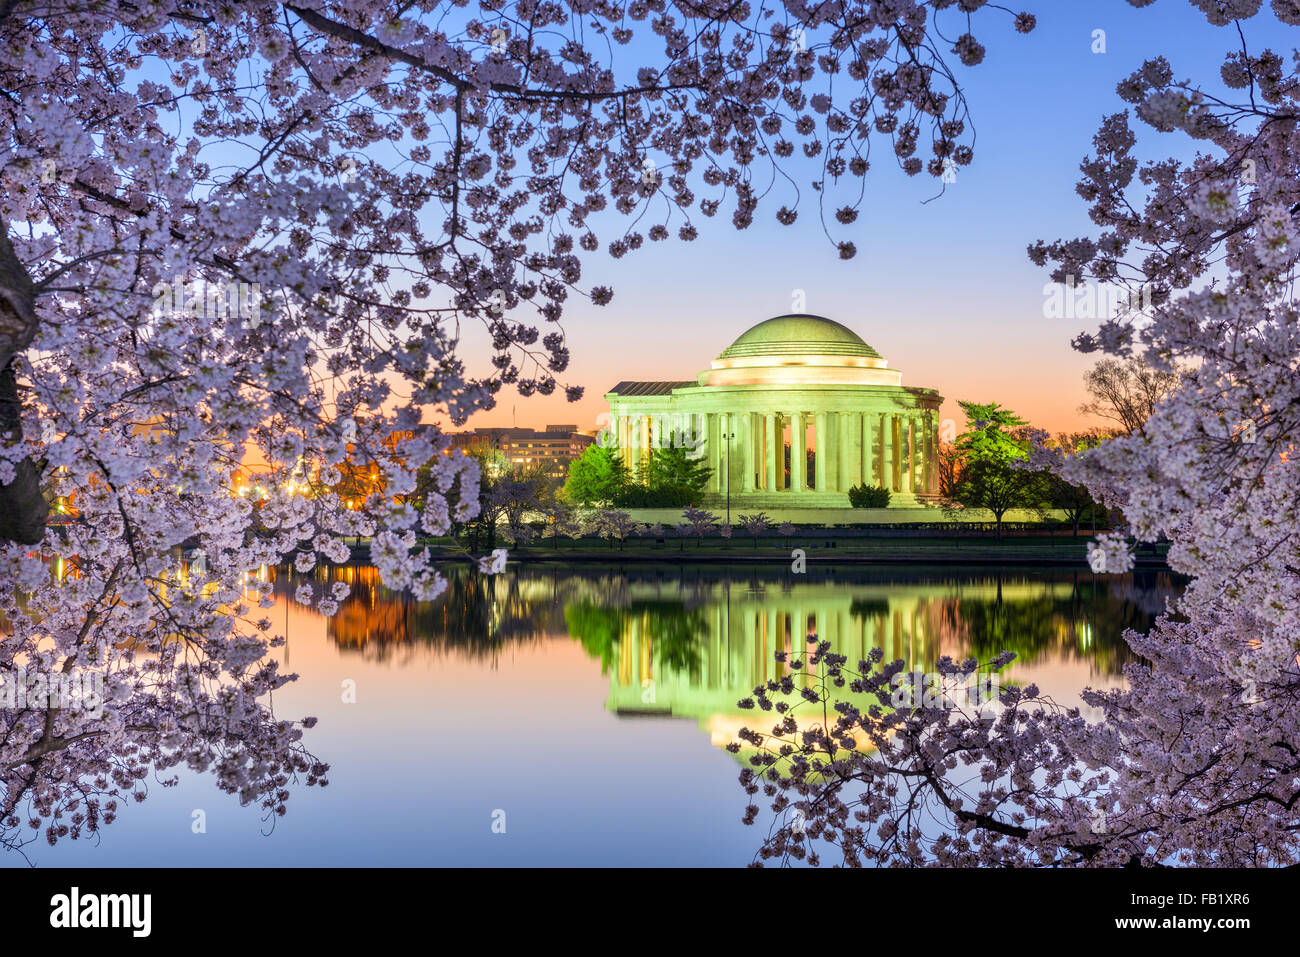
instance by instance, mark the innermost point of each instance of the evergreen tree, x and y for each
(596, 476)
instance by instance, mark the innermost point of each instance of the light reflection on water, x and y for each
(592, 705)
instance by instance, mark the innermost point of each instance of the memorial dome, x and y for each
(799, 335)
(793, 349)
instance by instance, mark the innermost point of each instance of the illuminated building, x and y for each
(794, 413)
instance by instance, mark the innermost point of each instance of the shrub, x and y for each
(862, 496)
(638, 495)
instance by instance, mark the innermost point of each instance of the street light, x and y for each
(728, 436)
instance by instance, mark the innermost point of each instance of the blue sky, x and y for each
(942, 289)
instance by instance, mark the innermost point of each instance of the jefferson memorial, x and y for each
(793, 414)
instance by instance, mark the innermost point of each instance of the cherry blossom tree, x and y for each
(699, 522)
(756, 525)
(616, 525)
(1197, 760)
(257, 229)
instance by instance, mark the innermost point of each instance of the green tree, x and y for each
(1074, 499)
(987, 437)
(674, 470)
(990, 448)
(999, 486)
(596, 476)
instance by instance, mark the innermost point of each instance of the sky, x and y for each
(943, 290)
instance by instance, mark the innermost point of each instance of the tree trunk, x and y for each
(23, 509)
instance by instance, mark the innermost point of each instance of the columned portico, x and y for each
(797, 373)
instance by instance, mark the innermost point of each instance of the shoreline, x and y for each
(1068, 553)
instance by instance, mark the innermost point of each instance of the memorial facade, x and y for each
(794, 413)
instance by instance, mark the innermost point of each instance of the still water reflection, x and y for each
(591, 706)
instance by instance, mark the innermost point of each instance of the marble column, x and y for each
(903, 451)
(822, 452)
(927, 454)
(854, 449)
(934, 459)
(913, 455)
(712, 440)
(844, 437)
(909, 461)
(891, 452)
(771, 442)
(885, 457)
(932, 482)
(918, 464)
(866, 456)
(922, 452)
(726, 452)
(832, 482)
(643, 445)
(798, 452)
(837, 426)
(848, 430)
(745, 434)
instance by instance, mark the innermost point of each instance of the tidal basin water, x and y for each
(590, 705)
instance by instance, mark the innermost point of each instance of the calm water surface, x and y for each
(591, 706)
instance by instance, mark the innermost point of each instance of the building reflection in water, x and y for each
(691, 641)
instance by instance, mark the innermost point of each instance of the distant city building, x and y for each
(552, 448)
